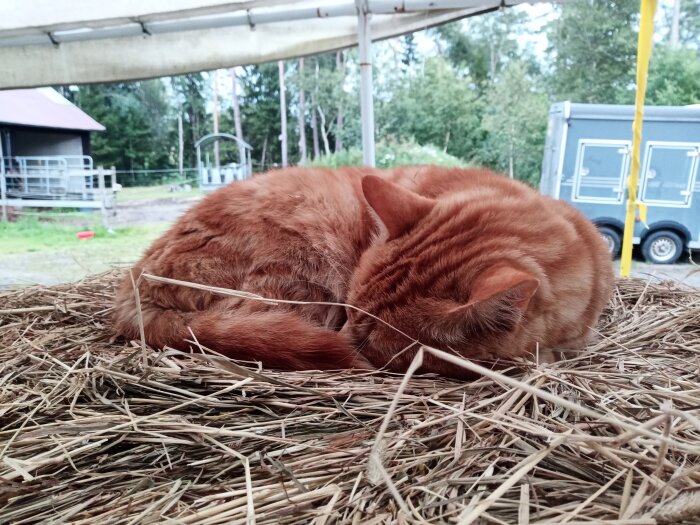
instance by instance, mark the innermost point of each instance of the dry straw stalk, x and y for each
(93, 431)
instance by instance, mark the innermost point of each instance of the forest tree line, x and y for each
(479, 96)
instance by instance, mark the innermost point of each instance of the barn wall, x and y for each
(39, 143)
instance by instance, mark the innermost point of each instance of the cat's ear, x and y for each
(504, 283)
(498, 300)
(398, 208)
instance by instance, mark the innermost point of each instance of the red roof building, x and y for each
(44, 145)
(41, 122)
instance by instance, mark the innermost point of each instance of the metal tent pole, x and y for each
(283, 114)
(3, 188)
(364, 38)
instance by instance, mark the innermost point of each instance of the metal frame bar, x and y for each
(103, 203)
(564, 135)
(58, 203)
(176, 21)
(3, 192)
(364, 39)
(207, 17)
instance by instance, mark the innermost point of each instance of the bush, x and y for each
(389, 154)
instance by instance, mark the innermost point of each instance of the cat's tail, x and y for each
(278, 339)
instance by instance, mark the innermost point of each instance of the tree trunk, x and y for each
(511, 152)
(302, 119)
(314, 121)
(341, 59)
(237, 116)
(181, 145)
(217, 161)
(511, 173)
(264, 152)
(283, 113)
(324, 132)
(675, 22)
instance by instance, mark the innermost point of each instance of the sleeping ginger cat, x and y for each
(463, 260)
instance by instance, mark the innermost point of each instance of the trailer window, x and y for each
(601, 167)
(669, 173)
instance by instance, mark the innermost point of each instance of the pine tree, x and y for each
(593, 50)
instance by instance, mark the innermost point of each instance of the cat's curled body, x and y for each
(460, 259)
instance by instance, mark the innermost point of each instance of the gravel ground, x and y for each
(685, 273)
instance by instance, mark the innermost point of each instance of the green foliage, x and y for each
(592, 51)
(689, 23)
(515, 121)
(483, 100)
(436, 107)
(410, 51)
(482, 46)
(137, 119)
(327, 95)
(261, 117)
(390, 154)
(190, 96)
(674, 77)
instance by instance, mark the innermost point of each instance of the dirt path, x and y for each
(150, 212)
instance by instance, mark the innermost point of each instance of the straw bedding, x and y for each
(99, 432)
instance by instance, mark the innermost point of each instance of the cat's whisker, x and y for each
(363, 344)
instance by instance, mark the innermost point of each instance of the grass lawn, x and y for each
(150, 193)
(31, 235)
(33, 251)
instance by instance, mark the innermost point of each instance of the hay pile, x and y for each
(93, 432)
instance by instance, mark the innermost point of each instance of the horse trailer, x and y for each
(587, 160)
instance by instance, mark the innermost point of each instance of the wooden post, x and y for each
(113, 176)
(3, 194)
(3, 187)
(103, 194)
(283, 112)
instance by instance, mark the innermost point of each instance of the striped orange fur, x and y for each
(460, 259)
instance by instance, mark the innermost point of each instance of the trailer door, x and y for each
(670, 169)
(601, 167)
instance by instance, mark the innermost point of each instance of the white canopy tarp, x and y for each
(56, 42)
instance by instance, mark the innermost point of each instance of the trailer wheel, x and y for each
(662, 247)
(612, 238)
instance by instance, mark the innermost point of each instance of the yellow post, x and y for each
(646, 31)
